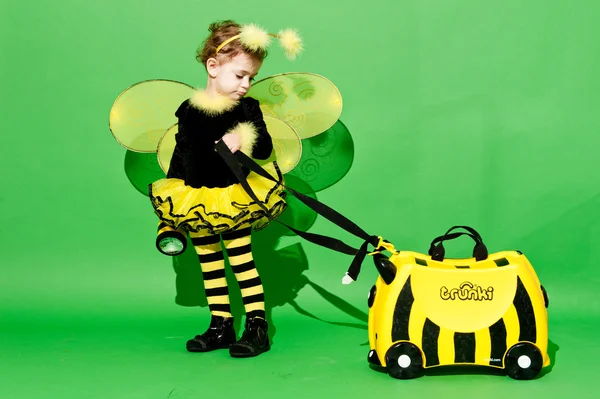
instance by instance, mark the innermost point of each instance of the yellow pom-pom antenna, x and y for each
(291, 43)
(254, 38)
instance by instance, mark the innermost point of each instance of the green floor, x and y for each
(120, 356)
(113, 325)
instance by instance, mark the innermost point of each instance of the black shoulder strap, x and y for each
(234, 161)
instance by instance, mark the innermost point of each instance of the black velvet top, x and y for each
(195, 160)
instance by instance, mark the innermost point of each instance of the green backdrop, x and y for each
(463, 112)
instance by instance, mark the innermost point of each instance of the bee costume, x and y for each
(205, 196)
(200, 194)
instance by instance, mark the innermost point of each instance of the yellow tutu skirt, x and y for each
(218, 210)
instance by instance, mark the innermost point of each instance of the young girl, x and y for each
(202, 197)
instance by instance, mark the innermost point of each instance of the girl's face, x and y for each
(233, 77)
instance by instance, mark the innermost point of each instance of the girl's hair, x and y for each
(219, 32)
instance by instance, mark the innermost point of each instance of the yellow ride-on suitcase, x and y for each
(428, 311)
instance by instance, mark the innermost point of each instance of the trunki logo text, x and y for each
(467, 291)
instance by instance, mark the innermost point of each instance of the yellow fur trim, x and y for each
(248, 136)
(291, 43)
(212, 104)
(254, 37)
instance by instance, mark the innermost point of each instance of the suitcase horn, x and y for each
(386, 269)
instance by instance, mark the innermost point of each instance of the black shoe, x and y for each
(254, 340)
(220, 335)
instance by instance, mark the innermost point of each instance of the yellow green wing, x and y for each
(143, 112)
(310, 103)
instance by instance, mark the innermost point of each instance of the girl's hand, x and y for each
(232, 140)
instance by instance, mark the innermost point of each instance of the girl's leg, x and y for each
(254, 340)
(220, 334)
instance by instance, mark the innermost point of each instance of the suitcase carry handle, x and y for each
(469, 229)
(437, 252)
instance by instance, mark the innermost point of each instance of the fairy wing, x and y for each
(326, 158)
(143, 112)
(165, 148)
(142, 169)
(310, 103)
(286, 144)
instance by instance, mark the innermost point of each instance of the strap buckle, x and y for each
(383, 245)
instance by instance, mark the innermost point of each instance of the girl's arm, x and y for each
(263, 144)
(177, 167)
(254, 139)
